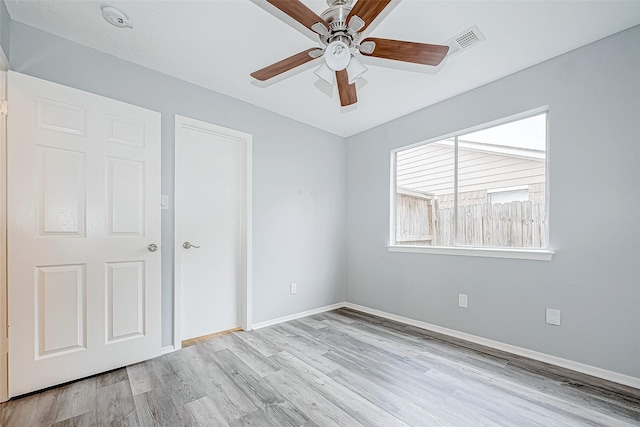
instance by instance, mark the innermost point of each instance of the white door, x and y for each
(210, 216)
(83, 207)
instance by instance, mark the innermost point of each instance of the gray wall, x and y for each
(594, 98)
(299, 200)
(5, 29)
(298, 172)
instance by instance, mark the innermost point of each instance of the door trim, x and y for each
(4, 328)
(245, 299)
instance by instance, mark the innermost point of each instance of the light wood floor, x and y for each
(341, 368)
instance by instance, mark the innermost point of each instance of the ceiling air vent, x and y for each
(466, 39)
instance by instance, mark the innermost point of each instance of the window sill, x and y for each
(531, 254)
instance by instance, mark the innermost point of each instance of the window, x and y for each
(483, 189)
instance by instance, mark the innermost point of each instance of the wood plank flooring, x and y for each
(341, 368)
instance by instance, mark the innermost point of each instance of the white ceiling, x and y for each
(218, 43)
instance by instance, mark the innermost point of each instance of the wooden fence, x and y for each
(515, 224)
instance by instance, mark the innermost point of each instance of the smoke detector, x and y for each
(115, 17)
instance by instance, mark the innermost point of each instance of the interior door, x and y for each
(210, 225)
(83, 215)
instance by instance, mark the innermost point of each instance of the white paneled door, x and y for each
(211, 227)
(83, 234)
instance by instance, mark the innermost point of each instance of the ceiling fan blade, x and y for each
(367, 10)
(316, 53)
(298, 11)
(347, 92)
(285, 65)
(398, 50)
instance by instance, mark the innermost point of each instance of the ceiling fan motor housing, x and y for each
(336, 16)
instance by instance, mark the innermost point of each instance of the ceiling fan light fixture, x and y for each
(337, 55)
(355, 69)
(326, 73)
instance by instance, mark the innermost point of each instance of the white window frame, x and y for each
(542, 254)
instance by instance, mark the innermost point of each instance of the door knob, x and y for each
(188, 245)
(152, 247)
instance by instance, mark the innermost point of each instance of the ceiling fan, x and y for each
(340, 30)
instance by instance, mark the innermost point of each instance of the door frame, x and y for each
(245, 300)
(4, 327)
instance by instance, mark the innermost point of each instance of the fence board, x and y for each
(497, 224)
(477, 225)
(543, 225)
(535, 225)
(517, 224)
(412, 213)
(462, 229)
(487, 224)
(527, 240)
(444, 227)
(506, 224)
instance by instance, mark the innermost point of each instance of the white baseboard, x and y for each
(167, 349)
(298, 315)
(519, 351)
(542, 357)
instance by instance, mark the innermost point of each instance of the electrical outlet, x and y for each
(463, 300)
(553, 316)
(294, 288)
